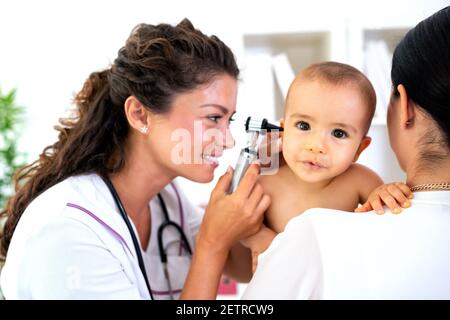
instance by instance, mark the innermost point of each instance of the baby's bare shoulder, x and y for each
(274, 181)
(357, 168)
(359, 174)
(268, 181)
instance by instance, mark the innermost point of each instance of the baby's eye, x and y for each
(231, 119)
(338, 133)
(302, 125)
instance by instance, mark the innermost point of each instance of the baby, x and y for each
(328, 112)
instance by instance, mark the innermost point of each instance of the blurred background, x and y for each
(48, 48)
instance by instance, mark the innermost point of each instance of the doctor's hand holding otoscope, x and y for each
(242, 187)
(256, 130)
(240, 199)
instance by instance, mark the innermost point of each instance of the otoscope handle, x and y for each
(246, 157)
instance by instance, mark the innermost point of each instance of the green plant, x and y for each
(11, 117)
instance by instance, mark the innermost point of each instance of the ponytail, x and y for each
(86, 144)
(157, 63)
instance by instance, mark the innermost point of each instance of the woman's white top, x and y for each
(72, 243)
(331, 254)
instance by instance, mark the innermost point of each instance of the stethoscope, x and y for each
(162, 252)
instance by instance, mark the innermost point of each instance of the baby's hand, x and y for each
(258, 243)
(393, 195)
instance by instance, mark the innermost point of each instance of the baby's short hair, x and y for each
(338, 74)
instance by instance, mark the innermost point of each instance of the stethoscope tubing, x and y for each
(137, 248)
(160, 233)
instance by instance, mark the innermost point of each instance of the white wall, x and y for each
(48, 48)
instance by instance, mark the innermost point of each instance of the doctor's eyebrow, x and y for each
(222, 108)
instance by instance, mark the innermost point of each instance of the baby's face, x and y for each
(323, 129)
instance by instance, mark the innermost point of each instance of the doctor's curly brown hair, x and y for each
(157, 63)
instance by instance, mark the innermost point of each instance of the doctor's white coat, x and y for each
(72, 243)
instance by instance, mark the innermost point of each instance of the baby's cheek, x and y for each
(290, 150)
(287, 144)
(341, 162)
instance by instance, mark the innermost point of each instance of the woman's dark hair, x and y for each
(157, 63)
(421, 63)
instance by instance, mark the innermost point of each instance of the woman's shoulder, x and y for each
(53, 202)
(46, 215)
(60, 193)
(325, 221)
(77, 203)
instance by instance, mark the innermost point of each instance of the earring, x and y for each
(144, 130)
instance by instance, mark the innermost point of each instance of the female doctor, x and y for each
(331, 254)
(99, 216)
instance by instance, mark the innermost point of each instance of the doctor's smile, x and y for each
(211, 160)
(108, 183)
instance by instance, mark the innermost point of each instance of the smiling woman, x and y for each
(196, 131)
(89, 217)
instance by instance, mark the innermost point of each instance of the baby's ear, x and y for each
(280, 139)
(365, 142)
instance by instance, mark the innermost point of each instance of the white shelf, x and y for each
(378, 48)
(300, 48)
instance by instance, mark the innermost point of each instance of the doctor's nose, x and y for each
(229, 141)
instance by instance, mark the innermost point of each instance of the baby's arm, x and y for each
(258, 243)
(393, 195)
(373, 194)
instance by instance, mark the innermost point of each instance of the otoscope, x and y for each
(256, 129)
